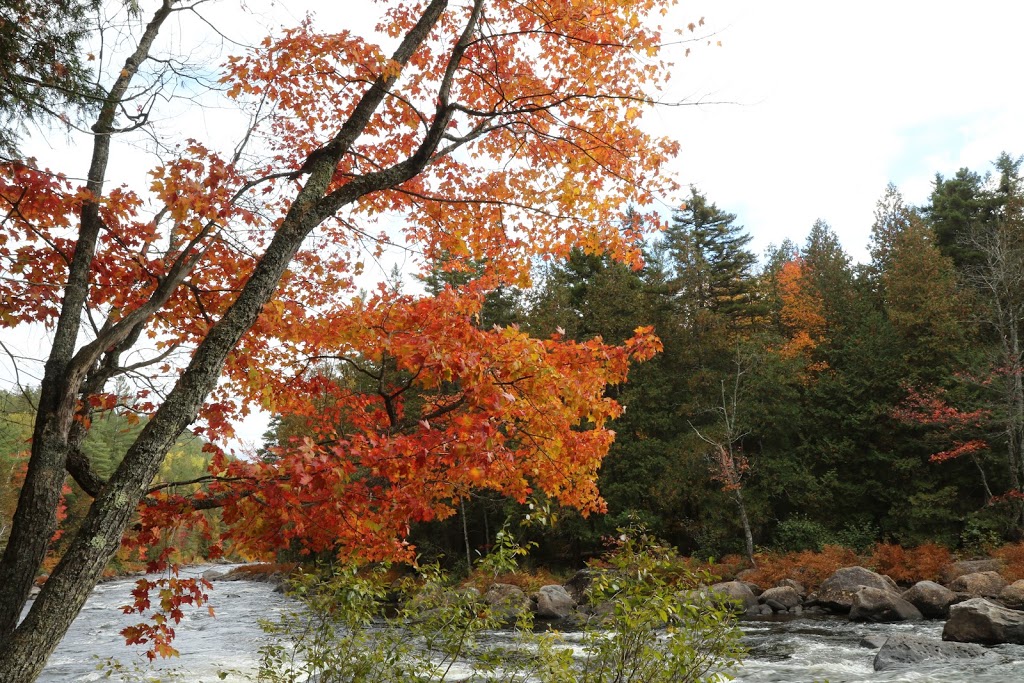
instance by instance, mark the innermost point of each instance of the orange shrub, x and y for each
(923, 563)
(1013, 561)
(528, 581)
(724, 569)
(808, 567)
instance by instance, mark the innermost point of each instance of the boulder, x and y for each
(955, 570)
(982, 621)
(554, 602)
(1013, 595)
(877, 605)
(784, 596)
(794, 584)
(579, 584)
(837, 591)
(979, 584)
(903, 650)
(508, 600)
(930, 598)
(213, 574)
(737, 591)
(873, 641)
(754, 588)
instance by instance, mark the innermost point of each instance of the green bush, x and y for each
(798, 533)
(645, 629)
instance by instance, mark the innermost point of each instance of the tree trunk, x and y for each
(748, 537)
(24, 651)
(35, 519)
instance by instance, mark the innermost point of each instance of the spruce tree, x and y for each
(712, 266)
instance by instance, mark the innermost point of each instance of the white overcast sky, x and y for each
(828, 101)
(836, 99)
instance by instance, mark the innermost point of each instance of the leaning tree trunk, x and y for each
(35, 519)
(25, 649)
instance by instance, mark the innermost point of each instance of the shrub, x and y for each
(646, 634)
(923, 563)
(1012, 557)
(800, 533)
(808, 567)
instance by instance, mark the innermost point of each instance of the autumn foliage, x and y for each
(801, 315)
(910, 565)
(808, 567)
(493, 133)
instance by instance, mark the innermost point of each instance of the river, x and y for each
(225, 647)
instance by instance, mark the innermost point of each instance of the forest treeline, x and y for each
(111, 432)
(801, 399)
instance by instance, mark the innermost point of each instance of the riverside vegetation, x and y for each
(647, 624)
(573, 354)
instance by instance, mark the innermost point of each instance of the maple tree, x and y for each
(499, 131)
(800, 314)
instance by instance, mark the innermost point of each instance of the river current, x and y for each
(225, 647)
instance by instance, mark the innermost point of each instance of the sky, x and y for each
(806, 110)
(809, 108)
(833, 100)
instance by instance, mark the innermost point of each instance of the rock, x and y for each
(930, 598)
(798, 609)
(776, 606)
(902, 650)
(1013, 595)
(765, 610)
(873, 641)
(579, 584)
(986, 584)
(736, 591)
(554, 602)
(786, 596)
(754, 588)
(794, 584)
(979, 620)
(508, 600)
(213, 574)
(955, 570)
(877, 605)
(837, 591)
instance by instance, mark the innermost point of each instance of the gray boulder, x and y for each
(214, 574)
(902, 650)
(930, 598)
(877, 605)
(794, 584)
(785, 597)
(579, 584)
(837, 591)
(873, 641)
(979, 584)
(754, 588)
(1013, 595)
(554, 602)
(982, 621)
(955, 570)
(736, 591)
(509, 601)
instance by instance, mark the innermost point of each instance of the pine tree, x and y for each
(712, 266)
(41, 67)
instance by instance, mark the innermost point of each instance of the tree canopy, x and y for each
(499, 132)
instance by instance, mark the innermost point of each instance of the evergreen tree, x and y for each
(923, 302)
(712, 266)
(42, 70)
(892, 217)
(957, 206)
